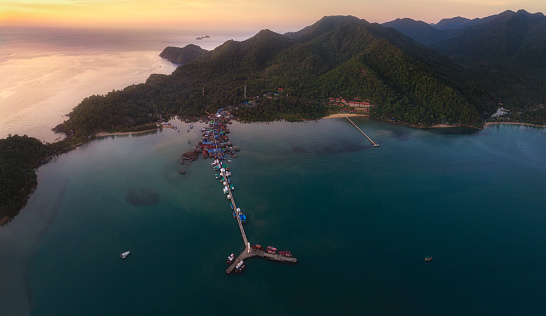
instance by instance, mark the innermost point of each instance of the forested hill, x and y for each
(337, 56)
(507, 53)
(183, 55)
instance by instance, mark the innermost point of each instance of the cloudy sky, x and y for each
(278, 15)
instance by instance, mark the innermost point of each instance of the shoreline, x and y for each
(104, 134)
(444, 126)
(487, 124)
(6, 218)
(341, 115)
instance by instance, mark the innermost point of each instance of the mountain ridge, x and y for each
(336, 56)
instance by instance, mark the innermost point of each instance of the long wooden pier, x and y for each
(371, 141)
(237, 213)
(248, 251)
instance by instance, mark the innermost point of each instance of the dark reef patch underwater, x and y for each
(142, 196)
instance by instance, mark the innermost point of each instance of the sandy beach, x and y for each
(338, 115)
(512, 123)
(103, 134)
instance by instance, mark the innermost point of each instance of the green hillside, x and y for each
(183, 55)
(337, 56)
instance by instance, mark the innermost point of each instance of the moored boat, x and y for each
(230, 259)
(285, 253)
(428, 258)
(124, 255)
(257, 247)
(271, 249)
(240, 266)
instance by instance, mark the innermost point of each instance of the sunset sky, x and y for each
(278, 15)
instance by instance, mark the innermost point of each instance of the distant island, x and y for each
(184, 55)
(458, 72)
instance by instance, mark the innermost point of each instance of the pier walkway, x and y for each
(248, 252)
(371, 141)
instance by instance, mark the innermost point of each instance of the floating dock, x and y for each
(371, 141)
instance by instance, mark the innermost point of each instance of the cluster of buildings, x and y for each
(352, 104)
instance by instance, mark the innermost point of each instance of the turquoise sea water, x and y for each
(359, 219)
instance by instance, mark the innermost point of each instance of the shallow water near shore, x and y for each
(359, 219)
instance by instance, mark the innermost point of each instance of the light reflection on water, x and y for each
(47, 72)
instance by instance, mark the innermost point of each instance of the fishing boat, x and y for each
(271, 249)
(230, 259)
(428, 258)
(240, 266)
(258, 247)
(285, 253)
(124, 255)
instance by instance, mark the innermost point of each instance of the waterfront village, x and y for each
(215, 144)
(352, 106)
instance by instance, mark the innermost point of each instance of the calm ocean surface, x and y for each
(359, 219)
(46, 72)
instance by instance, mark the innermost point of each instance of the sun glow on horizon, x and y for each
(237, 14)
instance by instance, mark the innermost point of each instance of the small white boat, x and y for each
(124, 255)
